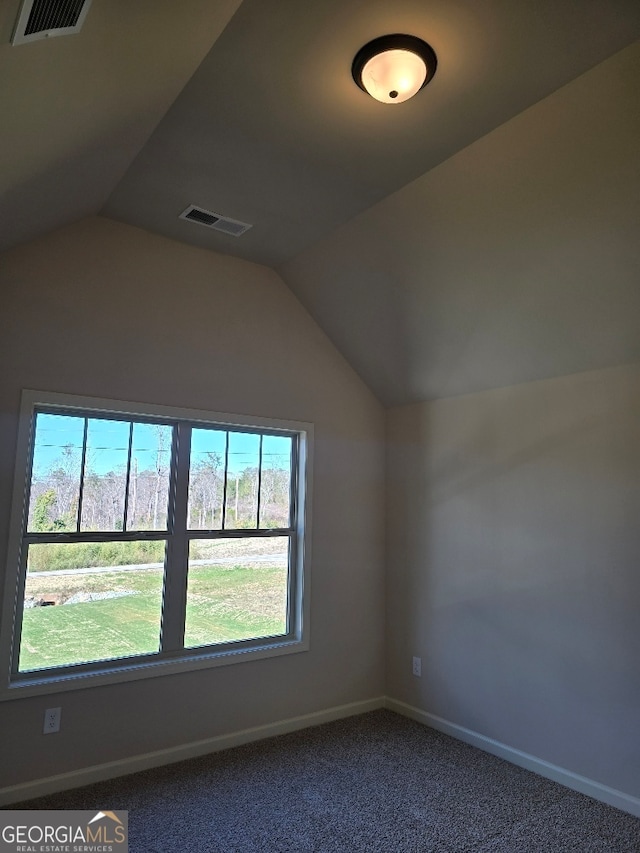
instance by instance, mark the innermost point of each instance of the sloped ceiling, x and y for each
(413, 233)
(517, 259)
(272, 130)
(75, 111)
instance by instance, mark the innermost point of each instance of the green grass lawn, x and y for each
(224, 603)
(90, 631)
(237, 603)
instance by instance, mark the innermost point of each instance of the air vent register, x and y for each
(214, 221)
(40, 19)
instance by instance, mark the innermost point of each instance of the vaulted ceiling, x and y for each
(449, 244)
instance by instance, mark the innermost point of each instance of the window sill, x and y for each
(49, 684)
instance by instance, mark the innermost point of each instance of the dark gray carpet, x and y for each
(376, 783)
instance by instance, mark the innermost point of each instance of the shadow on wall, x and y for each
(514, 540)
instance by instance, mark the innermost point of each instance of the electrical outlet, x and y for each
(417, 667)
(52, 720)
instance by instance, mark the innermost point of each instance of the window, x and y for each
(147, 540)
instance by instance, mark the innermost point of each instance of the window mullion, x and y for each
(224, 487)
(259, 482)
(127, 479)
(82, 469)
(177, 558)
(95, 536)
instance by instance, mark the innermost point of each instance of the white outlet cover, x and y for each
(52, 721)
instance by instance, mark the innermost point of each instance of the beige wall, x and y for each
(514, 567)
(107, 310)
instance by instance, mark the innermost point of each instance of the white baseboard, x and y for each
(125, 766)
(582, 784)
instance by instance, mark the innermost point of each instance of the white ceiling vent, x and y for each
(40, 19)
(214, 221)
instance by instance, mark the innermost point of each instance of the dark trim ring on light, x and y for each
(396, 42)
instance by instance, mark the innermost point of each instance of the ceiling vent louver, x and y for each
(214, 221)
(40, 19)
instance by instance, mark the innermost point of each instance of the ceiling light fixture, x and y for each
(394, 68)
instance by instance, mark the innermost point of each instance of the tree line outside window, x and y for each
(116, 473)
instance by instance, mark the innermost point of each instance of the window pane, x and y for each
(275, 484)
(237, 589)
(55, 477)
(242, 481)
(149, 477)
(105, 475)
(91, 601)
(206, 479)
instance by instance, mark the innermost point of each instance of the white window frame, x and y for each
(14, 685)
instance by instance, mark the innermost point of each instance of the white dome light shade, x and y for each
(394, 76)
(394, 68)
